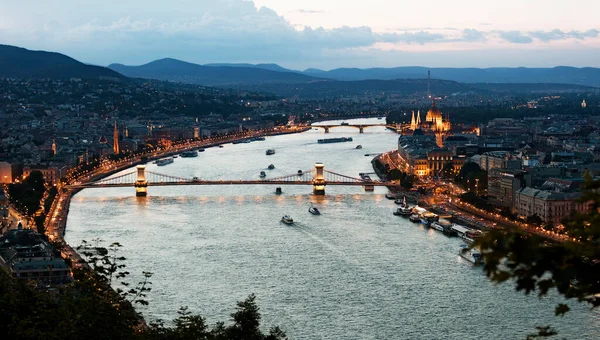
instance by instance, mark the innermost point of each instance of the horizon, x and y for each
(311, 34)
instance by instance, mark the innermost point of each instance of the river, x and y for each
(354, 272)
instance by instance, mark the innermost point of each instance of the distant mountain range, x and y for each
(219, 74)
(559, 75)
(23, 63)
(16, 62)
(588, 76)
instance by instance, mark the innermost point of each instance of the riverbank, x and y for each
(56, 219)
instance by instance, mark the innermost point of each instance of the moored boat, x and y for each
(390, 196)
(428, 217)
(189, 153)
(470, 254)
(287, 219)
(414, 218)
(164, 161)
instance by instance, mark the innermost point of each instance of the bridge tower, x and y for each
(141, 183)
(319, 180)
(326, 129)
(361, 129)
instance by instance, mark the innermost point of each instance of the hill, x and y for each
(341, 89)
(588, 76)
(270, 67)
(17, 62)
(181, 71)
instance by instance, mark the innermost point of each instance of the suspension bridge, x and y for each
(361, 127)
(317, 177)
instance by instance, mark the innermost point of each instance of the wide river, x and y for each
(354, 272)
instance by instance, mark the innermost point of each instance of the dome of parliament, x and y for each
(433, 113)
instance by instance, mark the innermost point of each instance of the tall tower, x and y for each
(428, 79)
(418, 118)
(126, 132)
(583, 104)
(116, 140)
(413, 122)
(54, 149)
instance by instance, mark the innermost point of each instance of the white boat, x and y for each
(287, 219)
(414, 218)
(164, 161)
(314, 211)
(470, 254)
(437, 226)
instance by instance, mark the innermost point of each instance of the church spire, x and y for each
(413, 122)
(116, 140)
(418, 119)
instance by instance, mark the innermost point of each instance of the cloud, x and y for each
(515, 37)
(308, 11)
(421, 37)
(472, 35)
(560, 35)
(203, 31)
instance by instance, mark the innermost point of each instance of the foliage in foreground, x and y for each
(572, 268)
(84, 312)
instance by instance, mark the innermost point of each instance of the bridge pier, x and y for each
(361, 129)
(326, 129)
(141, 184)
(319, 180)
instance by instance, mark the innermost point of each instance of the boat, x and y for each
(428, 217)
(271, 167)
(334, 140)
(470, 254)
(164, 161)
(359, 146)
(270, 152)
(190, 153)
(201, 150)
(437, 226)
(220, 146)
(262, 174)
(287, 219)
(278, 191)
(300, 172)
(404, 209)
(314, 211)
(414, 218)
(390, 196)
(175, 156)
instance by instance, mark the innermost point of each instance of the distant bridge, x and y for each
(361, 127)
(317, 177)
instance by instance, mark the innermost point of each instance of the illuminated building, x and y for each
(434, 124)
(116, 140)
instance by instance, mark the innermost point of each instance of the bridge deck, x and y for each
(228, 182)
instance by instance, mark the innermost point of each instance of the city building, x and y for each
(6, 172)
(550, 206)
(4, 206)
(434, 124)
(28, 256)
(503, 185)
(50, 173)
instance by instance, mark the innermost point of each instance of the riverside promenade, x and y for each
(56, 219)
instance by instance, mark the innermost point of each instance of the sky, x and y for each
(300, 34)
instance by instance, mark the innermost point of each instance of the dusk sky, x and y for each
(311, 33)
